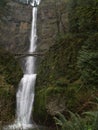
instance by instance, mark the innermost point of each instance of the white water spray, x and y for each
(25, 94)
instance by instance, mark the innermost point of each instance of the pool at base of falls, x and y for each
(19, 126)
(25, 127)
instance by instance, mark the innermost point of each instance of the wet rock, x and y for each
(15, 27)
(15, 24)
(52, 20)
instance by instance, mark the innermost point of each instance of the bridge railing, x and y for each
(35, 54)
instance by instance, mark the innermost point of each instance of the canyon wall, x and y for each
(15, 24)
(15, 27)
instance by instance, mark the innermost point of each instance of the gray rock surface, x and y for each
(15, 27)
(15, 24)
(52, 20)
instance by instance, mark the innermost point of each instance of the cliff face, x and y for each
(52, 20)
(59, 84)
(15, 24)
(63, 81)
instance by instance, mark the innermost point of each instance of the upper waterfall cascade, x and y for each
(32, 2)
(25, 94)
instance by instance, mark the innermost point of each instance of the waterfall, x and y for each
(25, 94)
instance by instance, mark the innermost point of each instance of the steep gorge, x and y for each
(15, 23)
(62, 32)
(15, 27)
(68, 72)
(10, 74)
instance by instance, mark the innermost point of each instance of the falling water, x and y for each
(25, 94)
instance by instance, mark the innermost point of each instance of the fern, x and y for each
(94, 118)
(75, 122)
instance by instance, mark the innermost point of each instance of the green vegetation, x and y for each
(2, 3)
(89, 122)
(10, 74)
(9, 68)
(83, 16)
(67, 75)
(75, 122)
(88, 62)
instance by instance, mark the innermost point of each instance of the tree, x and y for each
(88, 61)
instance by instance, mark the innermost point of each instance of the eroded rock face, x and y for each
(15, 24)
(52, 20)
(15, 27)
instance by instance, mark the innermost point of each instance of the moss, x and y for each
(58, 84)
(7, 101)
(10, 74)
(9, 67)
(55, 99)
(62, 82)
(58, 69)
(2, 3)
(42, 105)
(60, 61)
(2, 7)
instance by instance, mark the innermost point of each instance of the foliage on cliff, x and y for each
(2, 3)
(70, 66)
(10, 74)
(78, 123)
(9, 68)
(83, 16)
(88, 62)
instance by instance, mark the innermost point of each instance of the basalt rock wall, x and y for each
(52, 21)
(15, 24)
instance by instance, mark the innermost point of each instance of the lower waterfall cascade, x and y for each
(25, 94)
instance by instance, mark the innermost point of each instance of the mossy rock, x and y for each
(43, 108)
